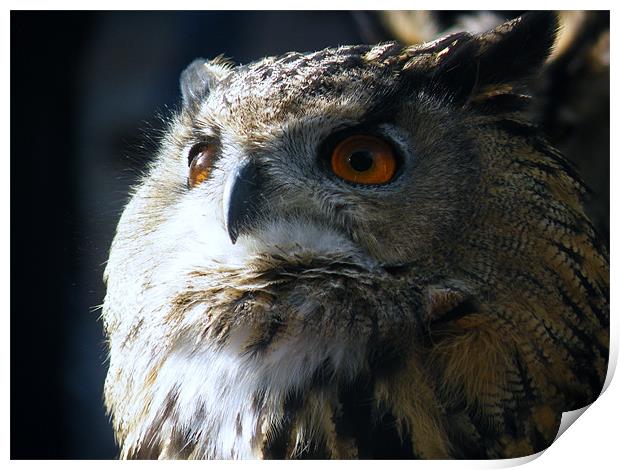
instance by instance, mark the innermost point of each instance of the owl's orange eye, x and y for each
(364, 159)
(201, 161)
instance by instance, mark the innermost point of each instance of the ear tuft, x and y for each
(199, 78)
(497, 58)
(516, 49)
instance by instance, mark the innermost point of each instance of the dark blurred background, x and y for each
(88, 93)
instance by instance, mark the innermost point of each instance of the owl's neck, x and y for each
(218, 404)
(295, 363)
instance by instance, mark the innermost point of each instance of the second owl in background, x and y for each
(362, 252)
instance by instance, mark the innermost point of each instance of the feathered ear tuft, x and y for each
(518, 48)
(502, 56)
(199, 77)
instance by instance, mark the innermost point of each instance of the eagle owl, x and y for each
(361, 252)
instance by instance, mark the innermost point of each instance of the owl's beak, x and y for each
(241, 200)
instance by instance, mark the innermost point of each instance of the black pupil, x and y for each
(361, 160)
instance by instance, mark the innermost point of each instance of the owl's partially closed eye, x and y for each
(361, 252)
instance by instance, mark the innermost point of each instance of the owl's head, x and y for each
(372, 151)
(308, 212)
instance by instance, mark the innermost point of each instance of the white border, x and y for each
(591, 443)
